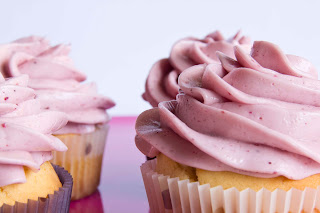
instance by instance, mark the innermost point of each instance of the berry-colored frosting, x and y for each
(58, 84)
(258, 115)
(162, 85)
(25, 130)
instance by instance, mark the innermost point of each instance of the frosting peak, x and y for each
(161, 84)
(53, 63)
(271, 56)
(31, 45)
(59, 86)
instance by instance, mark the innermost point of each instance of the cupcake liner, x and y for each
(58, 202)
(83, 160)
(167, 194)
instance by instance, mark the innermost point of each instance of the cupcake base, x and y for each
(86, 172)
(167, 194)
(83, 160)
(57, 202)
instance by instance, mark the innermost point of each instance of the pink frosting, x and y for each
(257, 115)
(25, 130)
(162, 85)
(58, 86)
(32, 45)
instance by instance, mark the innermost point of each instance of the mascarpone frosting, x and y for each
(257, 114)
(59, 85)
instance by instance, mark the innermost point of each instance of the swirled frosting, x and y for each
(59, 86)
(257, 115)
(162, 85)
(25, 130)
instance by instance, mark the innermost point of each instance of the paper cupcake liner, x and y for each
(167, 194)
(58, 202)
(83, 160)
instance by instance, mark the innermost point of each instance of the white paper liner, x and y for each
(83, 160)
(167, 194)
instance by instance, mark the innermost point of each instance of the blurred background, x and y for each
(116, 42)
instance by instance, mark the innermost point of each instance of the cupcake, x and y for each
(242, 136)
(28, 181)
(161, 84)
(59, 87)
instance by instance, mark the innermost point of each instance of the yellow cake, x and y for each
(38, 184)
(169, 167)
(228, 180)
